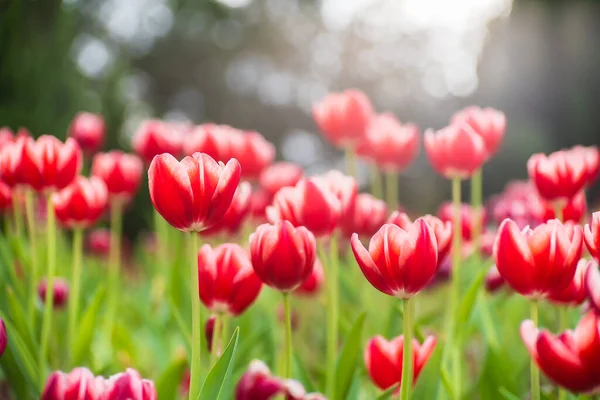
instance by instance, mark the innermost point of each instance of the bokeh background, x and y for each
(260, 64)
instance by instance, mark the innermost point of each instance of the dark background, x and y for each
(259, 64)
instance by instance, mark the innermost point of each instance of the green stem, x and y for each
(114, 268)
(224, 330)
(214, 351)
(350, 158)
(332, 305)
(196, 319)
(287, 371)
(34, 278)
(376, 181)
(535, 372)
(49, 300)
(18, 213)
(391, 188)
(455, 285)
(75, 288)
(161, 230)
(487, 321)
(407, 357)
(558, 211)
(476, 202)
(563, 316)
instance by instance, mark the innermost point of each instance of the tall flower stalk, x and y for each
(114, 267)
(196, 318)
(75, 288)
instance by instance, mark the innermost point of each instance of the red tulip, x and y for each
(592, 286)
(254, 153)
(259, 201)
(391, 145)
(5, 197)
(399, 262)
(236, 213)
(570, 359)
(493, 280)
(344, 187)
(574, 210)
(192, 194)
(226, 280)
(455, 151)
(559, 176)
(120, 172)
(129, 385)
(575, 293)
(591, 159)
(3, 337)
(60, 288)
(366, 217)
(155, 137)
(79, 384)
(310, 203)
(441, 229)
(283, 256)
(98, 242)
(88, 130)
(6, 136)
(383, 359)
(81, 203)
(592, 236)
(540, 261)
(208, 138)
(48, 164)
(10, 161)
(314, 282)
(488, 123)
(467, 218)
(520, 202)
(343, 117)
(280, 175)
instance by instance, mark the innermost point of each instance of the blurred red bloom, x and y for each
(592, 236)
(591, 159)
(10, 161)
(235, 215)
(227, 282)
(79, 384)
(343, 117)
(121, 172)
(455, 151)
(467, 218)
(97, 242)
(493, 280)
(283, 256)
(280, 175)
(574, 294)
(155, 137)
(207, 138)
(88, 130)
(5, 197)
(366, 217)
(559, 176)
(259, 201)
(60, 291)
(314, 281)
(399, 262)
(254, 153)
(540, 261)
(129, 385)
(383, 359)
(344, 187)
(574, 210)
(6, 136)
(488, 123)
(81, 203)
(592, 286)
(192, 194)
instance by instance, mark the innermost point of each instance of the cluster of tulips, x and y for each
(265, 223)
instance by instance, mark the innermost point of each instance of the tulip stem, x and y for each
(350, 158)
(116, 221)
(376, 181)
(49, 300)
(407, 357)
(332, 305)
(196, 319)
(535, 373)
(563, 316)
(161, 232)
(391, 187)
(17, 213)
(214, 351)
(33, 279)
(453, 345)
(287, 371)
(476, 201)
(75, 288)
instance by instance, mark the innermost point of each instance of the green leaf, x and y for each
(466, 306)
(346, 364)
(506, 394)
(301, 374)
(22, 357)
(387, 394)
(217, 379)
(167, 384)
(17, 316)
(87, 327)
(447, 383)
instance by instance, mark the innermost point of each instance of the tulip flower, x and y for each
(570, 359)
(280, 175)
(210, 139)
(155, 137)
(97, 242)
(575, 293)
(592, 236)
(254, 153)
(310, 203)
(3, 337)
(129, 385)
(488, 123)
(366, 217)
(591, 158)
(79, 384)
(11, 155)
(314, 281)
(520, 202)
(344, 187)
(60, 293)
(81, 203)
(234, 217)
(120, 172)
(88, 130)
(559, 176)
(574, 210)
(384, 359)
(193, 194)
(467, 218)
(259, 201)
(6, 198)
(592, 287)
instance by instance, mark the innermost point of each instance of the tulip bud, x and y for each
(3, 337)
(60, 288)
(280, 175)
(592, 236)
(559, 176)
(81, 203)
(155, 137)
(257, 383)
(97, 242)
(79, 384)
(488, 123)
(88, 130)
(129, 385)
(120, 172)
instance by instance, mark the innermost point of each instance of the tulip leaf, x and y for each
(301, 374)
(87, 327)
(217, 380)
(387, 394)
(347, 361)
(17, 315)
(506, 394)
(447, 383)
(167, 384)
(466, 306)
(21, 356)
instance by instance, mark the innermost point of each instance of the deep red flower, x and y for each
(208, 138)
(592, 286)
(441, 229)
(3, 337)
(392, 146)
(559, 176)
(539, 261)
(592, 236)
(399, 262)
(488, 123)
(366, 217)
(235, 215)
(569, 359)
(280, 175)
(129, 385)
(253, 152)
(81, 203)
(283, 256)
(97, 242)
(591, 159)
(384, 359)
(226, 280)
(343, 117)
(121, 172)
(467, 218)
(155, 137)
(79, 384)
(314, 282)
(5, 197)
(60, 290)
(310, 203)
(574, 294)
(455, 151)
(11, 154)
(88, 130)
(48, 164)
(192, 194)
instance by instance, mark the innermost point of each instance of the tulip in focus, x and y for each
(314, 282)
(592, 236)
(559, 176)
(88, 130)
(155, 137)
(366, 217)
(120, 172)
(81, 203)
(488, 123)
(60, 296)
(280, 175)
